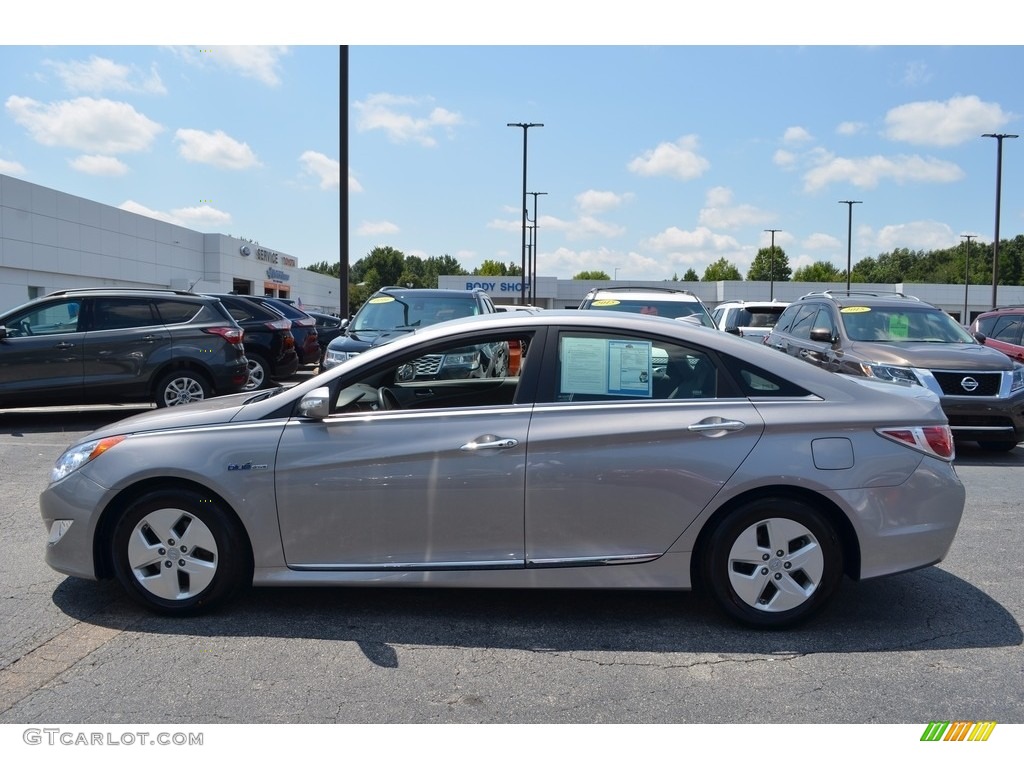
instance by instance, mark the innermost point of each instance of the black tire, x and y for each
(178, 553)
(997, 446)
(258, 373)
(772, 563)
(181, 387)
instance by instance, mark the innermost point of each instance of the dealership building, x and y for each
(50, 240)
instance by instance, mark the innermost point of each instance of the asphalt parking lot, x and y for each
(942, 643)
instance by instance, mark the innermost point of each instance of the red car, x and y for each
(1001, 329)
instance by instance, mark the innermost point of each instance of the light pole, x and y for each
(771, 272)
(526, 129)
(849, 236)
(617, 272)
(967, 274)
(533, 250)
(999, 183)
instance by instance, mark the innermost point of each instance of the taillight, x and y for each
(230, 335)
(935, 440)
(304, 321)
(284, 324)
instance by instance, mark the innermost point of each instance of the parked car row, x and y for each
(107, 345)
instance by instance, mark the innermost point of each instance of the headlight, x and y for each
(336, 357)
(469, 360)
(79, 455)
(1018, 377)
(890, 373)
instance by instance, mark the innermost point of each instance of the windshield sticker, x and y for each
(381, 299)
(852, 310)
(899, 326)
(605, 303)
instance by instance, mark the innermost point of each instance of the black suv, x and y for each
(109, 345)
(269, 343)
(304, 328)
(899, 338)
(393, 311)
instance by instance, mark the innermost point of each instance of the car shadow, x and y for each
(929, 609)
(969, 454)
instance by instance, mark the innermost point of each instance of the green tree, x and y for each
(691, 276)
(324, 268)
(592, 274)
(770, 264)
(382, 266)
(434, 266)
(492, 268)
(721, 270)
(818, 272)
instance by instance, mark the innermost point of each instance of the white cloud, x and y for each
(195, 217)
(353, 182)
(320, 165)
(99, 165)
(820, 241)
(850, 128)
(216, 149)
(11, 168)
(916, 73)
(702, 238)
(256, 62)
(381, 112)
(598, 201)
(98, 75)
(944, 124)
(916, 235)
(784, 158)
(868, 172)
(97, 126)
(377, 228)
(796, 135)
(679, 159)
(720, 213)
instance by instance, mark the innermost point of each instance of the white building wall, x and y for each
(50, 240)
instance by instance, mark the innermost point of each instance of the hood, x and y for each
(214, 410)
(933, 356)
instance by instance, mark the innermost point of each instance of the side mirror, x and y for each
(734, 330)
(822, 334)
(316, 404)
(981, 337)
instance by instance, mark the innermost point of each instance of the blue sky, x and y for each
(653, 158)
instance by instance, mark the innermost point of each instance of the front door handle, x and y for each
(490, 441)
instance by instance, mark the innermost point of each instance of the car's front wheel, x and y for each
(177, 552)
(181, 387)
(773, 563)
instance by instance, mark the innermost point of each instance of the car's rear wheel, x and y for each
(181, 387)
(773, 563)
(258, 373)
(179, 553)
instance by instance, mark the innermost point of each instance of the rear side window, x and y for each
(173, 311)
(113, 314)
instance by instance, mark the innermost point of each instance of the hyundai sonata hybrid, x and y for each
(629, 451)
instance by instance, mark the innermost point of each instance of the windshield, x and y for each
(895, 324)
(670, 309)
(389, 313)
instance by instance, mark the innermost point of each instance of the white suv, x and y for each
(667, 302)
(748, 319)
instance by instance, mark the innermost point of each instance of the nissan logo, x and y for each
(969, 384)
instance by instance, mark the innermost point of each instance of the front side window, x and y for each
(53, 317)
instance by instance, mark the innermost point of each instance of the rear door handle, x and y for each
(490, 441)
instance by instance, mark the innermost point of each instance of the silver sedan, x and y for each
(628, 452)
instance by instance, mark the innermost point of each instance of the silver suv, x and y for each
(666, 302)
(900, 338)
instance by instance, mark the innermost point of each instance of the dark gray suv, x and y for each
(900, 338)
(110, 345)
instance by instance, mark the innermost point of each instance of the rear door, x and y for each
(637, 436)
(124, 344)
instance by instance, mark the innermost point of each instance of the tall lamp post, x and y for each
(967, 275)
(533, 249)
(526, 129)
(999, 183)
(771, 269)
(849, 236)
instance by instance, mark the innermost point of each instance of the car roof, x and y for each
(397, 290)
(867, 298)
(663, 294)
